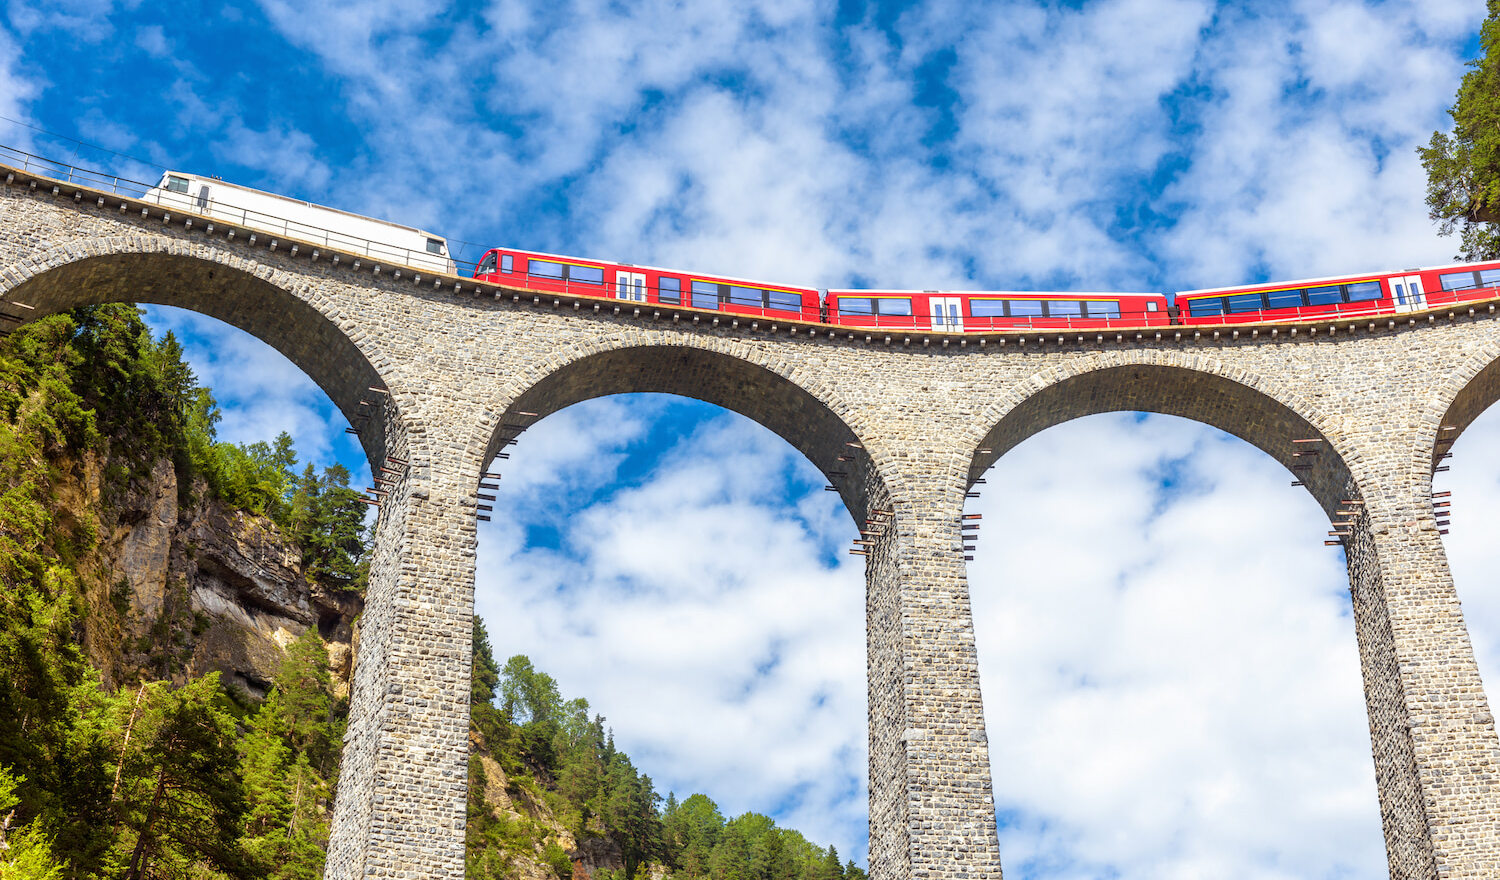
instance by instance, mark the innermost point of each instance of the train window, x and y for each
(1025, 308)
(1489, 277)
(669, 289)
(506, 262)
(987, 308)
(177, 184)
(1245, 302)
(705, 295)
(486, 265)
(1457, 280)
(856, 305)
(886, 306)
(782, 299)
(1363, 291)
(1325, 296)
(746, 296)
(1103, 308)
(546, 269)
(1209, 306)
(434, 245)
(586, 274)
(1284, 299)
(1064, 308)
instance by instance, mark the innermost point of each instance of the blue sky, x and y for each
(1158, 707)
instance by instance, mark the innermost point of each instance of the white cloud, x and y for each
(1473, 554)
(16, 92)
(259, 391)
(693, 607)
(1171, 677)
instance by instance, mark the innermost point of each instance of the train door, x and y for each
(631, 286)
(1406, 290)
(947, 313)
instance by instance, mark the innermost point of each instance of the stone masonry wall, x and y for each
(457, 365)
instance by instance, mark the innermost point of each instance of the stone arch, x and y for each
(1461, 397)
(1191, 386)
(801, 409)
(275, 306)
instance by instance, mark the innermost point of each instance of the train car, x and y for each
(974, 311)
(242, 206)
(1374, 293)
(533, 270)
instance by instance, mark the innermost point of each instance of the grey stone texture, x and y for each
(461, 364)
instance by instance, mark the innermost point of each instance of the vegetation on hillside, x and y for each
(554, 753)
(1463, 167)
(151, 780)
(156, 780)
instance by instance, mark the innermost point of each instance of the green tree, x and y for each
(486, 674)
(182, 800)
(528, 694)
(1463, 167)
(25, 853)
(692, 830)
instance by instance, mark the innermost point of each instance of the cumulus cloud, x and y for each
(707, 618)
(1170, 675)
(259, 391)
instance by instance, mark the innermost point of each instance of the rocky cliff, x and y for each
(178, 584)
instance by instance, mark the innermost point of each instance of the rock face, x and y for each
(212, 588)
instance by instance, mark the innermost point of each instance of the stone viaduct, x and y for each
(459, 363)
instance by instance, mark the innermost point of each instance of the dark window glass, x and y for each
(1064, 308)
(1103, 308)
(746, 296)
(1489, 277)
(893, 306)
(987, 308)
(505, 263)
(1284, 299)
(705, 295)
(1325, 296)
(434, 245)
(586, 274)
(545, 269)
(1244, 302)
(856, 305)
(1457, 280)
(1210, 306)
(486, 265)
(670, 289)
(1025, 308)
(782, 299)
(177, 184)
(1363, 291)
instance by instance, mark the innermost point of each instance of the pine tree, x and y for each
(1463, 168)
(182, 800)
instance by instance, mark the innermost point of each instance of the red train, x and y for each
(973, 311)
(1378, 293)
(992, 310)
(646, 284)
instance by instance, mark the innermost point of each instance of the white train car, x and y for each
(380, 240)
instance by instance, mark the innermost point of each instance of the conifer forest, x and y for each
(121, 758)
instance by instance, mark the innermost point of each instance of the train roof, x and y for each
(260, 192)
(1329, 279)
